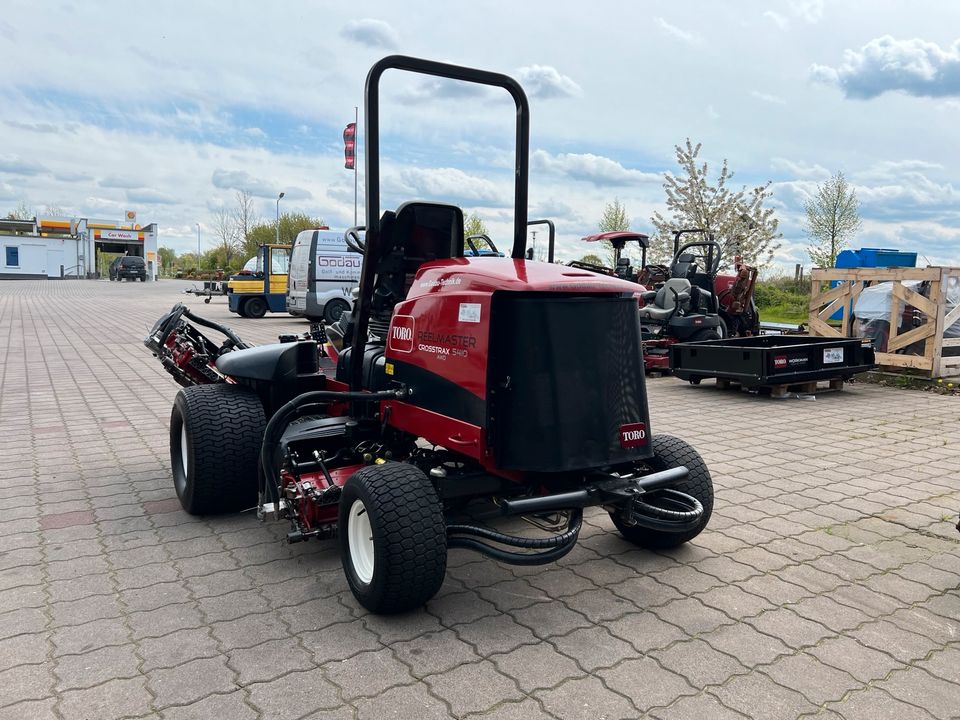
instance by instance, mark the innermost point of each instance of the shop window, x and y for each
(13, 256)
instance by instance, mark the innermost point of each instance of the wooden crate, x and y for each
(826, 300)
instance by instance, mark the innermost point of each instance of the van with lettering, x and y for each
(323, 274)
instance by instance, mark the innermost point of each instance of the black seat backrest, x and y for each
(684, 266)
(416, 233)
(427, 231)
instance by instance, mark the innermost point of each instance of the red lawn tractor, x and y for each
(695, 302)
(453, 398)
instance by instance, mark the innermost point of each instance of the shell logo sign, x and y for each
(131, 215)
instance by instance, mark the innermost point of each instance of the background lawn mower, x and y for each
(450, 400)
(695, 302)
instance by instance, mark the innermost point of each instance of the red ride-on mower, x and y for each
(621, 265)
(456, 401)
(696, 303)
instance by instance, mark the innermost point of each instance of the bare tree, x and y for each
(225, 230)
(244, 214)
(833, 217)
(737, 220)
(21, 212)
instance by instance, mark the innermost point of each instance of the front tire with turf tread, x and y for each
(670, 452)
(409, 538)
(216, 432)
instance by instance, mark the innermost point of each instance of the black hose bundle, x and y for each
(559, 545)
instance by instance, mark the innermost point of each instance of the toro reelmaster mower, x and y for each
(451, 399)
(695, 302)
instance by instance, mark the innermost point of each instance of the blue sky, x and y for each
(170, 108)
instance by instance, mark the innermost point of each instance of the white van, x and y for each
(323, 274)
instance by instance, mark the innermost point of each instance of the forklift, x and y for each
(262, 284)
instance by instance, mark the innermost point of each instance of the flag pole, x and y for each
(356, 117)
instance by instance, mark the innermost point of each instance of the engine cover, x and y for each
(544, 361)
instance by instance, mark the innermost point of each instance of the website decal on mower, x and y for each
(633, 435)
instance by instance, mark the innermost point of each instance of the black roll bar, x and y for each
(372, 165)
(552, 235)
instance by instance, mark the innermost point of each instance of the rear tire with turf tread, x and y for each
(670, 452)
(216, 432)
(401, 564)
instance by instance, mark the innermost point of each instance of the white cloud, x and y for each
(255, 133)
(147, 196)
(809, 10)
(916, 67)
(779, 20)
(768, 98)
(440, 89)
(591, 168)
(72, 176)
(544, 81)
(242, 180)
(16, 165)
(122, 181)
(446, 185)
(712, 113)
(40, 127)
(7, 192)
(800, 169)
(691, 38)
(372, 33)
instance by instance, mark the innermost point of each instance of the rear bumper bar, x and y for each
(602, 492)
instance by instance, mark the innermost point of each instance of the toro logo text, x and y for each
(633, 435)
(402, 333)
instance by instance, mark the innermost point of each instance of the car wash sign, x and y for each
(119, 235)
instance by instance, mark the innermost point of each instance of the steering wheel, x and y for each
(353, 240)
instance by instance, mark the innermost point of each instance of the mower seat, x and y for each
(665, 301)
(684, 267)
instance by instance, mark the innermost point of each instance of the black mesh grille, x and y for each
(566, 375)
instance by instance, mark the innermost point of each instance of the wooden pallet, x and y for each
(781, 391)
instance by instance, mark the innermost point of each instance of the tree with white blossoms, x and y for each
(737, 219)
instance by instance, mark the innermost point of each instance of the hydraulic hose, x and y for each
(234, 338)
(270, 476)
(676, 497)
(558, 545)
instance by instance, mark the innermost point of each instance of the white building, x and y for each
(59, 247)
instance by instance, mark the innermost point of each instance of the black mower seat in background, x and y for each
(280, 361)
(665, 302)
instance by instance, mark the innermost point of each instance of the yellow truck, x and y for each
(262, 284)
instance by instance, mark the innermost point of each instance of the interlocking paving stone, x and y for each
(435, 652)
(536, 666)
(473, 688)
(825, 586)
(697, 707)
(401, 703)
(191, 681)
(294, 695)
(699, 663)
(646, 683)
(756, 695)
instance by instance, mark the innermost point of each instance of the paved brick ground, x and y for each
(826, 584)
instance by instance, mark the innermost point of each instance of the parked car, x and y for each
(130, 267)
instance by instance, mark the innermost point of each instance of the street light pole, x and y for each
(198, 247)
(279, 198)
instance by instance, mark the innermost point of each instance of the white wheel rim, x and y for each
(360, 540)
(183, 447)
